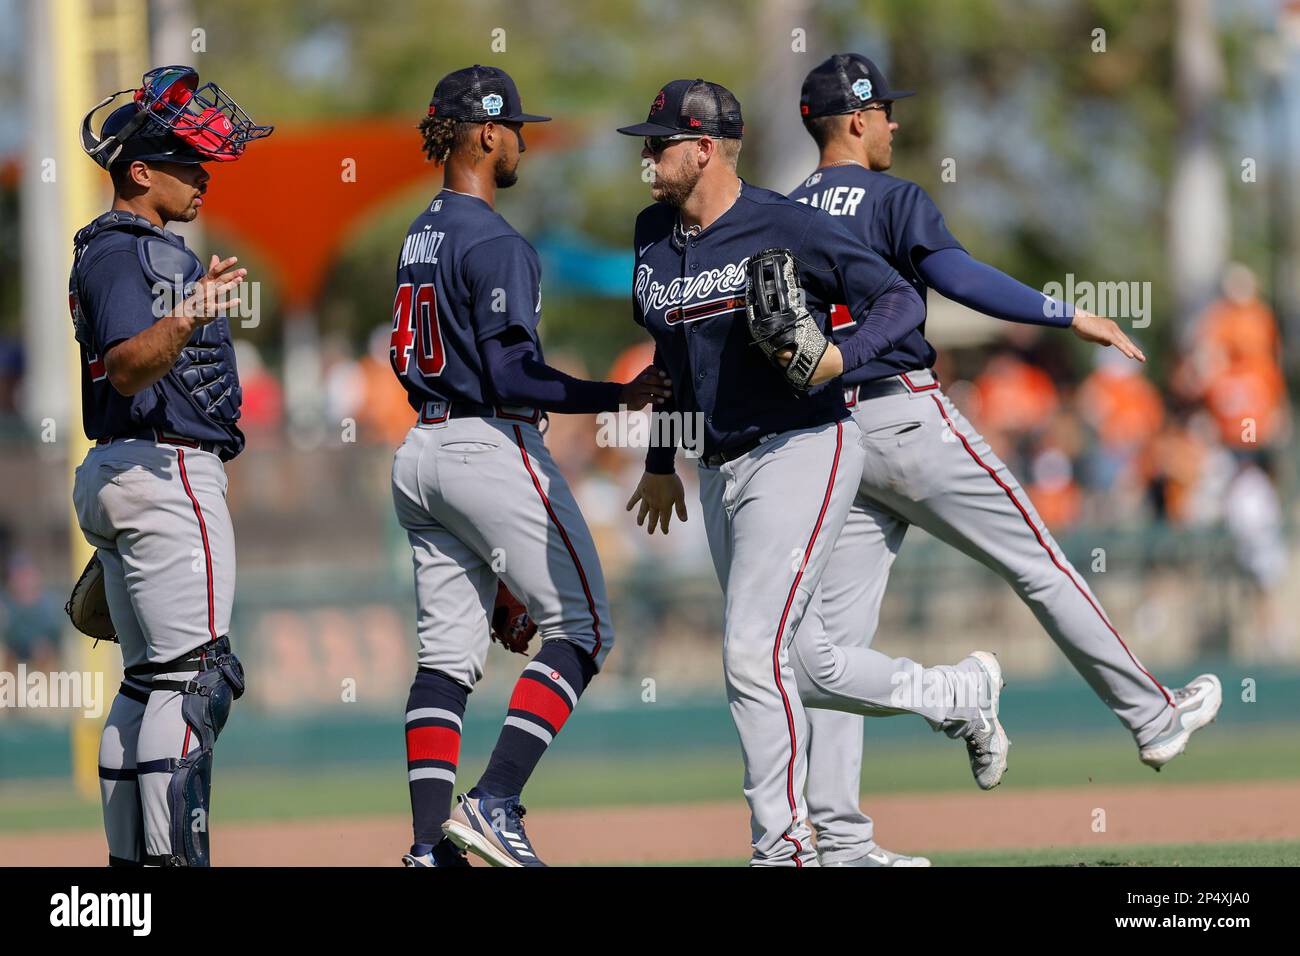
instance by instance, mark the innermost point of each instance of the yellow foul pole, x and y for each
(96, 47)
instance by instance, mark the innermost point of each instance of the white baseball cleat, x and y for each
(986, 742)
(1195, 705)
(879, 856)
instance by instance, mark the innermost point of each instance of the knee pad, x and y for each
(205, 707)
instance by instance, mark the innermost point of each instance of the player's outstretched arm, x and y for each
(136, 363)
(659, 496)
(955, 274)
(520, 377)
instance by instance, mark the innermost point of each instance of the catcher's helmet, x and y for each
(171, 118)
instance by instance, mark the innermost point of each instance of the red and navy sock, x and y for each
(433, 719)
(546, 694)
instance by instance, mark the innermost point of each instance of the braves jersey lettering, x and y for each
(464, 275)
(689, 293)
(658, 295)
(899, 222)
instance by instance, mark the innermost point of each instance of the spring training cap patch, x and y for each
(843, 83)
(692, 106)
(478, 94)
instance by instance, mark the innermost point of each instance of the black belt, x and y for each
(731, 454)
(438, 411)
(166, 438)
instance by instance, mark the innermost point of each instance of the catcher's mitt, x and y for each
(88, 606)
(512, 628)
(778, 317)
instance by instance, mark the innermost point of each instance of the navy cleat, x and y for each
(493, 828)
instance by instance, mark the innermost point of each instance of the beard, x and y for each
(505, 176)
(675, 191)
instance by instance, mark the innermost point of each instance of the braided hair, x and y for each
(442, 134)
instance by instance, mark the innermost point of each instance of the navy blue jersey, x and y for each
(464, 276)
(125, 278)
(689, 293)
(900, 222)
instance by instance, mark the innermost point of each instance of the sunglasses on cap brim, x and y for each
(656, 144)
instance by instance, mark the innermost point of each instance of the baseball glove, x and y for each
(779, 319)
(512, 628)
(88, 605)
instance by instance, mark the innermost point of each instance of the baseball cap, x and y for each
(480, 94)
(151, 142)
(691, 106)
(843, 83)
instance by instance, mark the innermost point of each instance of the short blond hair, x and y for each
(729, 149)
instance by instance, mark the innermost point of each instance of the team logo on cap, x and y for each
(492, 103)
(658, 104)
(862, 88)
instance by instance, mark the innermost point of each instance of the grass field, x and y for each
(929, 763)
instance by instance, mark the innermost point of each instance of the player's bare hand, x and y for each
(831, 365)
(1099, 331)
(659, 496)
(214, 294)
(651, 387)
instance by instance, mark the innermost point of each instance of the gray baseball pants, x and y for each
(156, 513)
(925, 465)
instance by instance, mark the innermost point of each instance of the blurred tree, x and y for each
(1063, 139)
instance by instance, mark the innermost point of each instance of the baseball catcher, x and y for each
(161, 402)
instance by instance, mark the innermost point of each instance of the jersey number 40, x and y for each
(415, 320)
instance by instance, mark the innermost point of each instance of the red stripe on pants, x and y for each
(1064, 570)
(203, 533)
(564, 536)
(776, 647)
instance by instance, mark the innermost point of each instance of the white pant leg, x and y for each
(772, 518)
(848, 608)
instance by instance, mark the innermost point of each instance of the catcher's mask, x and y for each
(174, 119)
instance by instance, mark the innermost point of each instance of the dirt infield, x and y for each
(681, 833)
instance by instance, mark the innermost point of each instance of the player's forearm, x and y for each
(895, 312)
(518, 377)
(139, 362)
(954, 274)
(661, 456)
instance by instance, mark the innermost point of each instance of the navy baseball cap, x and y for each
(692, 106)
(480, 94)
(843, 83)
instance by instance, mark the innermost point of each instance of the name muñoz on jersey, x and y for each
(464, 276)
